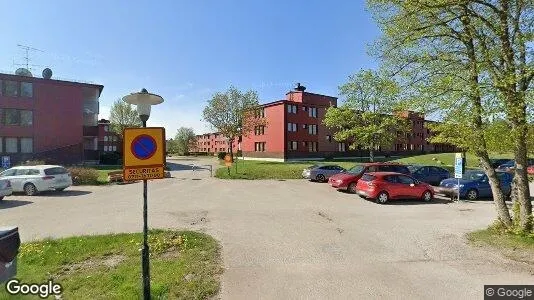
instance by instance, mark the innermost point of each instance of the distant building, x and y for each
(48, 119)
(213, 143)
(108, 141)
(294, 130)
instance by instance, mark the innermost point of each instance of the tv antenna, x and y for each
(26, 57)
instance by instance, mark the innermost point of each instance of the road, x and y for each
(292, 239)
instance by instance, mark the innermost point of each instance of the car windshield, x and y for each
(413, 168)
(312, 167)
(473, 175)
(355, 170)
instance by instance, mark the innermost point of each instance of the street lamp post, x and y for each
(144, 101)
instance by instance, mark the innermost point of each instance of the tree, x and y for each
(123, 115)
(184, 140)
(367, 117)
(233, 113)
(470, 63)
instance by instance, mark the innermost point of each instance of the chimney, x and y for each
(299, 87)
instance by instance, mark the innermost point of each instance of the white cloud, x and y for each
(104, 112)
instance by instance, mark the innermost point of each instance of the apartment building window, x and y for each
(259, 130)
(17, 117)
(26, 145)
(312, 129)
(312, 146)
(105, 138)
(291, 109)
(115, 138)
(293, 145)
(329, 138)
(26, 89)
(341, 147)
(114, 148)
(304, 108)
(312, 112)
(292, 127)
(26, 117)
(11, 88)
(12, 145)
(259, 146)
(259, 113)
(105, 148)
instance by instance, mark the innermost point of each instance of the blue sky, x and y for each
(187, 50)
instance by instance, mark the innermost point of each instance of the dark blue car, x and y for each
(430, 174)
(474, 185)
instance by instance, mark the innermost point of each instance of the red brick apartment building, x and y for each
(108, 141)
(294, 130)
(50, 119)
(213, 143)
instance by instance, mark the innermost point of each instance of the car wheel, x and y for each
(30, 189)
(1, 198)
(352, 188)
(320, 178)
(472, 194)
(382, 198)
(427, 196)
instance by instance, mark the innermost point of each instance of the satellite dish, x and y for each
(47, 73)
(23, 72)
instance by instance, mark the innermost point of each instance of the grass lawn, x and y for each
(184, 265)
(103, 171)
(251, 169)
(514, 246)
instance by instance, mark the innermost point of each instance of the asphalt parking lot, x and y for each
(291, 239)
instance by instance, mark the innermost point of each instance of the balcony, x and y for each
(90, 130)
(91, 107)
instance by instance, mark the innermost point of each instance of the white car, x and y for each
(5, 188)
(34, 179)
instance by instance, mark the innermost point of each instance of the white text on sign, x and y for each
(143, 173)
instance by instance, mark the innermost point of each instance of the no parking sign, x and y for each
(144, 153)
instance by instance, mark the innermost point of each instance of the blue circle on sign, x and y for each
(144, 146)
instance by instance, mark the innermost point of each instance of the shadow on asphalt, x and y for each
(418, 202)
(65, 193)
(183, 167)
(10, 203)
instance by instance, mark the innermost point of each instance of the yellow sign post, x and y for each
(144, 153)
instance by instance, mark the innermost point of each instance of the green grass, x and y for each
(519, 247)
(250, 169)
(184, 265)
(103, 171)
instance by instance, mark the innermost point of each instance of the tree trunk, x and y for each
(522, 192)
(230, 141)
(499, 198)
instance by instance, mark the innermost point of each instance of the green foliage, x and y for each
(183, 141)
(221, 155)
(184, 265)
(123, 115)
(110, 158)
(84, 176)
(232, 113)
(367, 118)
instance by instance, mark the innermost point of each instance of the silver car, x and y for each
(321, 173)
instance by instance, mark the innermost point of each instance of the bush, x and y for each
(239, 153)
(221, 155)
(83, 176)
(33, 163)
(110, 158)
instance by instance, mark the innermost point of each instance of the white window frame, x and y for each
(342, 147)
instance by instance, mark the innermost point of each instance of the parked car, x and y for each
(530, 170)
(474, 185)
(348, 180)
(496, 162)
(321, 173)
(385, 186)
(34, 179)
(430, 174)
(5, 188)
(510, 166)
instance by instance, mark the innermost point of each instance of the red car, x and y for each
(348, 180)
(385, 186)
(530, 170)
